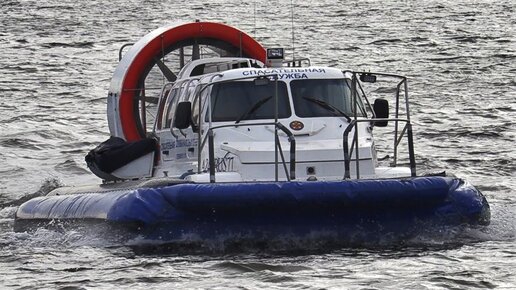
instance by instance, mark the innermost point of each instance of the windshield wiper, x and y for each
(336, 111)
(252, 109)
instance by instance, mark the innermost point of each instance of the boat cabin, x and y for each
(233, 119)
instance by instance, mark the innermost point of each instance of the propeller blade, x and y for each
(152, 100)
(219, 51)
(169, 75)
(181, 57)
(196, 51)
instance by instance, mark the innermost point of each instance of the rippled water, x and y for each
(57, 61)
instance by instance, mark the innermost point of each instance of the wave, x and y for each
(70, 166)
(256, 267)
(20, 143)
(85, 44)
(47, 186)
(385, 41)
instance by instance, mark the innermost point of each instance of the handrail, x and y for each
(211, 147)
(353, 124)
(292, 141)
(121, 49)
(210, 137)
(355, 87)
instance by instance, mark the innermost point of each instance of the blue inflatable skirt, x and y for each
(356, 209)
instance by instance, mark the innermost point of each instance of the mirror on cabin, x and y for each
(381, 110)
(183, 115)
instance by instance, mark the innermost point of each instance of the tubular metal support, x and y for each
(354, 123)
(276, 139)
(355, 109)
(282, 158)
(211, 154)
(121, 50)
(292, 141)
(347, 154)
(395, 157)
(406, 99)
(398, 141)
(143, 110)
(200, 145)
(412, 158)
(292, 157)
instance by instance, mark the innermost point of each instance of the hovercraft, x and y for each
(243, 144)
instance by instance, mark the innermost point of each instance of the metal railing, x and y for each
(356, 87)
(348, 152)
(289, 173)
(120, 51)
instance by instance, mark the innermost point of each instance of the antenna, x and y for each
(293, 47)
(254, 15)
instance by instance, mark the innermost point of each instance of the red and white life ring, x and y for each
(122, 104)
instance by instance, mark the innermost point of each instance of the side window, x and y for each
(169, 108)
(195, 107)
(162, 103)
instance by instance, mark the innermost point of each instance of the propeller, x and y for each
(169, 75)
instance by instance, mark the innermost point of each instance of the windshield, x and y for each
(323, 98)
(244, 100)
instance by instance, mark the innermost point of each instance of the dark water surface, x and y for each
(57, 60)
